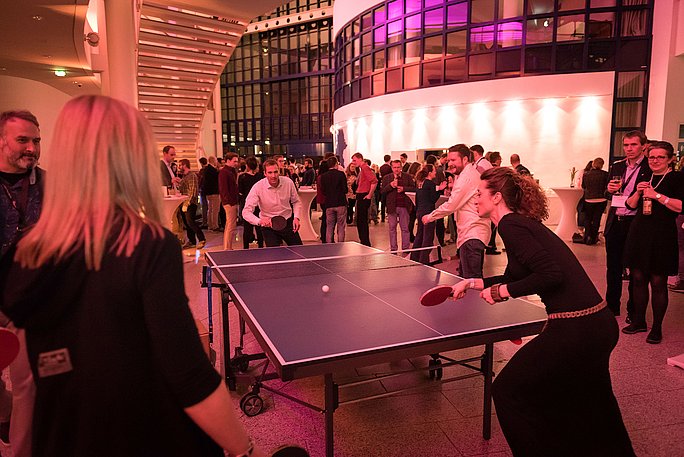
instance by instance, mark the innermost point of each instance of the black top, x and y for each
(541, 263)
(210, 184)
(308, 178)
(245, 183)
(334, 187)
(135, 355)
(594, 183)
(426, 197)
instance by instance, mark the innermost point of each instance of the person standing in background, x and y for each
(228, 191)
(210, 189)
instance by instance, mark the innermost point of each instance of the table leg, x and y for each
(227, 366)
(487, 366)
(331, 403)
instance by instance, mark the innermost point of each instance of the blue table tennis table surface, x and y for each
(371, 314)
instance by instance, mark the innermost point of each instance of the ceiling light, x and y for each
(37, 18)
(60, 73)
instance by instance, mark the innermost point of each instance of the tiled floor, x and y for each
(446, 420)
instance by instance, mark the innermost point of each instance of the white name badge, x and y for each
(618, 201)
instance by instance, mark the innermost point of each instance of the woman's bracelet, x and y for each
(496, 293)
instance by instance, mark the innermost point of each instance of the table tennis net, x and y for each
(265, 272)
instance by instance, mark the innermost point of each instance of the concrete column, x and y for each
(122, 49)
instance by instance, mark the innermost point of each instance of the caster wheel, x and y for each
(251, 404)
(435, 372)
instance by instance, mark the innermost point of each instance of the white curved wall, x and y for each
(555, 122)
(42, 100)
(344, 11)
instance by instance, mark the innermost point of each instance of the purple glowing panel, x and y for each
(457, 15)
(434, 20)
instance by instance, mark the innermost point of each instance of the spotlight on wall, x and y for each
(92, 38)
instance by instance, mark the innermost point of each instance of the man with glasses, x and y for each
(623, 176)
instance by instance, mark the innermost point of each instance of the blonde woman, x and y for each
(98, 286)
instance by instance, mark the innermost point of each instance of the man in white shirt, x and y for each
(479, 161)
(473, 230)
(275, 195)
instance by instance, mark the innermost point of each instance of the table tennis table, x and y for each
(371, 315)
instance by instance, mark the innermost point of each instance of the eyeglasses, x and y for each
(658, 157)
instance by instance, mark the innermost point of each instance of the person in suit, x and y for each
(385, 169)
(169, 178)
(394, 187)
(624, 174)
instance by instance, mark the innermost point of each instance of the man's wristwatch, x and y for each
(496, 294)
(658, 196)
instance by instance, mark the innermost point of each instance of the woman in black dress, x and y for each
(426, 197)
(554, 397)
(651, 251)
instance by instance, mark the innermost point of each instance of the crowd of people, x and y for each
(73, 292)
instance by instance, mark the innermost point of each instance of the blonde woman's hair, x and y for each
(103, 173)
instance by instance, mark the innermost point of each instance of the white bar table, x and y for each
(306, 228)
(569, 197)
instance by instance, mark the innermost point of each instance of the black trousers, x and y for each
(592, 220)
(555, 397)
(273, 238)
(192, 229)
(362, 208)
(616, 237)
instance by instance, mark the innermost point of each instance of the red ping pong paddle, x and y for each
(278, 223)
(436, 295)
(9, 347)
(290, 451)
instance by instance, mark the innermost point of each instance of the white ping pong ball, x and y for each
(325, 288)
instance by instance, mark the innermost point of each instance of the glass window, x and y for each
(366, 87)
(628, 114)
(394, 56)
(412, 77)
(379, 84)
(567, 5)
(457, 15)
(508, 63)
(456, 43)
(602, 3)
(601, 55)
(570, 28)
(394, 9)
(367, 64)
(481, 38)
(356, 72)
(481, 11)
(539, 6)
(509, 34)
(634, 23)
(601, 25)
(630, 84)
(357, 46)
(432, 73)
(633, 54)
(394, 30)
(455, 70)
(378, 60)
(569, 57)
(433, 47)
(434, 20)
(538, 59)
(379, 35)
(366, 42)
(379, 15)
(412, 6)
(356, 27)
(394, 80)
(510, 8)
(413, 26)
(366, 21)
(540, 30)
(412, 51)
(429, 3)
(481, 65)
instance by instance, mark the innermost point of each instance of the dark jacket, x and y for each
(594, 183)
(11, 222)
(228, 186)
(210, 181)
(405, 180)
(166, 177)
(618, 169)
(334, 186)
(308, 178)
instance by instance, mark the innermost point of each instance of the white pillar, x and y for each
(122, 49)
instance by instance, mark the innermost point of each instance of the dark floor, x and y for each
(446, 419)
